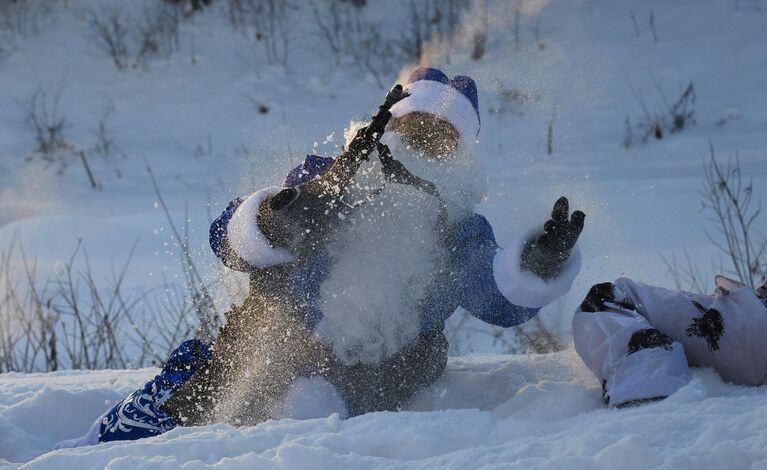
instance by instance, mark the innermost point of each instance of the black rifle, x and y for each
(313, 206)
(337, 179)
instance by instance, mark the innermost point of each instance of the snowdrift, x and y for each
(538, 411)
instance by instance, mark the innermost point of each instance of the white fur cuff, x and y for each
(524, 288)
(443, 101)
(245, 238)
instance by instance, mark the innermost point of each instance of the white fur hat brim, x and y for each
(443, 101)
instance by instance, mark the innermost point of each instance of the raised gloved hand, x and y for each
(288, 216)
(545, 253)
(396, 172)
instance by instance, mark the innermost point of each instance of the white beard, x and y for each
(460, 178)
(387, 254)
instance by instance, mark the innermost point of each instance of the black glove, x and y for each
(546, 252)
(597, 296)
(396, 172)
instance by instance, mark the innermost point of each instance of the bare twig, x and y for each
(636, 26)
(72, 320)
(675, 117)
(651, 21)
(131, 40)
(728, 199)
(202, 300)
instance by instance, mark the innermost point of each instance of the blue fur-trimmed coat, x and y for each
(480, 277)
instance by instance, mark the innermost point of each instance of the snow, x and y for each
(536, 411)
(194, 124)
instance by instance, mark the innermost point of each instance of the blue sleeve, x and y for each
(219, 242)
(472, 248)
(312, 167)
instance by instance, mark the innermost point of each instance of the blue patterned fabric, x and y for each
(139, 415)
(467, 283)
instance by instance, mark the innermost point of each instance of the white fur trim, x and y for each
(245, 238)
(524, 288)
(443, 101)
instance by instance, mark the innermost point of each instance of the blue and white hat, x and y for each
(454, 100)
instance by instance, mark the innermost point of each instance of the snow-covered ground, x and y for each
(194, 123)
(537, 411)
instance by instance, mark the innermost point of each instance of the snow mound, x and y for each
(541, 411)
